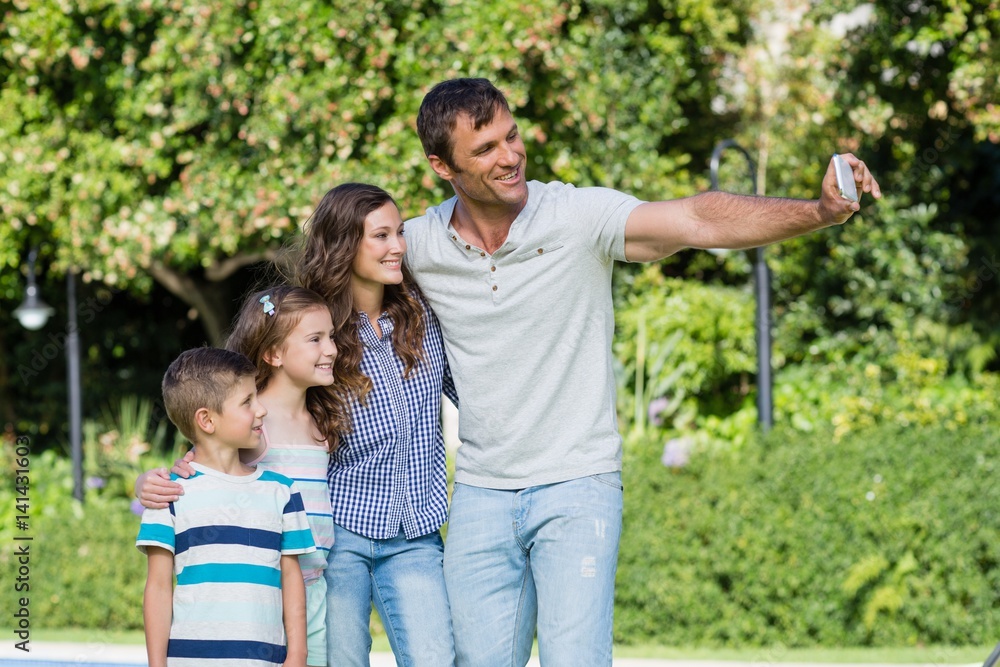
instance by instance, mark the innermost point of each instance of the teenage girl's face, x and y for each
(307, 355)
(380, 256)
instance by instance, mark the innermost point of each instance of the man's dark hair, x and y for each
(478, 98)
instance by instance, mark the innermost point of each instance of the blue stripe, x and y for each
(156, 532)
(311, 480)
(202, 535)
(215, 649)
(294, 504)
(174, 476)
(229, 573)
(297, 539)
(271, 476)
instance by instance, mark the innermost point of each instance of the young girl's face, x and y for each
(380, 256)
(307, 354)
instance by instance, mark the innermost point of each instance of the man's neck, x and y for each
(484, 227)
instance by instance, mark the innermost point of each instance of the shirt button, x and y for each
(493, 268)
(468, 247)
(482, 254)
(540, 251)
(494, 288)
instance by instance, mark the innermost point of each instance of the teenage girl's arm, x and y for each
(154, 489)
(293, 602)
(158, 603)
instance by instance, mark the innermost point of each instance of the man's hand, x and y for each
(834, 209)
(154, 488)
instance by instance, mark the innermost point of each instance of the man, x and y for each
(519, 275)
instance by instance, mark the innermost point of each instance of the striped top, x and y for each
(227, 534)
(306, 466)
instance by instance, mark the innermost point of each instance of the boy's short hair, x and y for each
(440, 109)
(201, 378)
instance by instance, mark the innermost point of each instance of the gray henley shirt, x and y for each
(528, 333)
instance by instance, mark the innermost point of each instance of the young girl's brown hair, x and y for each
(264, 324)
(324, 265)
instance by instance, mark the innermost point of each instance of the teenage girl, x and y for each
(287, 332)
(388, 480)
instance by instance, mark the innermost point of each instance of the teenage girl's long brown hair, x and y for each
(256, 332)
(324, 265)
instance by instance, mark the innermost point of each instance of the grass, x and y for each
(939, 655)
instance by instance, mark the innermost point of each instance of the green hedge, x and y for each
(85, 569)
(886, 537)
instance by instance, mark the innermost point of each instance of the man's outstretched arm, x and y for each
(720, 220)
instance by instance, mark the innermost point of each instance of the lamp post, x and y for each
(762, 292)
(33, 314)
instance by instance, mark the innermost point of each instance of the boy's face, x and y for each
(239, 423)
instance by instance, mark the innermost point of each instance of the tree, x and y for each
(177, 142)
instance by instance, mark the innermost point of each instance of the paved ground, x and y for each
(110, 654)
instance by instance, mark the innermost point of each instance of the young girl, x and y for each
(287, 332)
(387, 478)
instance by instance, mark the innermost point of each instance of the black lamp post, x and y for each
(33, 314)
(762, 291)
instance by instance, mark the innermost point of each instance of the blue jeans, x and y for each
(404, 579)
(543, 556)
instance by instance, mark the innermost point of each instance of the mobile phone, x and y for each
(845, 179)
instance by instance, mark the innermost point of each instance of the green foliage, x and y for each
(883, 284)
(86, 571)
(679, 338)
(114, 452)
(885, 537)
(176, 141)
(909, 391)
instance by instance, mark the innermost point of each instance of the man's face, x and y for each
(487, 164)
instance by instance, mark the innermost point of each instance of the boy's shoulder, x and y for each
(184, 481)
(202, 479)
(274, 477)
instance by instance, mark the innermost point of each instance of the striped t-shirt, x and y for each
(306, 466)
(227, 534)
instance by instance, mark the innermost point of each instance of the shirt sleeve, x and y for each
(157, 529)
(605, 211)
(296, 537)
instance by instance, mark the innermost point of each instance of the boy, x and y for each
(232, 539)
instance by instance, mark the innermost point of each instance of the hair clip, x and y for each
(268, 306)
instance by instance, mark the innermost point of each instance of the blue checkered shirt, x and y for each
(390, 471)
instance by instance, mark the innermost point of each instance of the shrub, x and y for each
(85, 569)
(886, 537)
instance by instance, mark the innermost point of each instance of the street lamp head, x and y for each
(33, 313)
